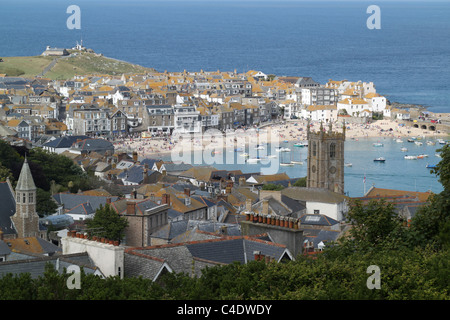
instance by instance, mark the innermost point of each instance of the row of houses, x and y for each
(189, 102)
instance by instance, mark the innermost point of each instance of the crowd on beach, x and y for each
(286, 131)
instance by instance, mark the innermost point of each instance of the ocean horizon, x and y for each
(408, 59)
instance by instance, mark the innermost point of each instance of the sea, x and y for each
(407, 57)
(360, 175)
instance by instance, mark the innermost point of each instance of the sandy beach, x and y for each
(289, 131)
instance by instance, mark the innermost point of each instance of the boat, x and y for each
(438, 155)
(281, 149)
(410, 140)
(301, 144)
(244, 154)
(348, 164)
(431, 143)
(404, 149)
(238, 150)
(442, 141)
(418, 143)
(379, 159)
(253, 160)
(272, 156)
(422, 156)
(259, 147)
(430, 166)
(399, 140)
(377, 144)
(297, 162)
(410, 157)
(287, 164)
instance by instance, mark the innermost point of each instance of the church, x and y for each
(326, 159)
(18, 216)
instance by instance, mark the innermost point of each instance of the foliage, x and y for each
(107, 223)
(45, 205)
(301, 182)
(272, 187)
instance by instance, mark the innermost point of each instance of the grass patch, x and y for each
(67, 67)
(24, 66)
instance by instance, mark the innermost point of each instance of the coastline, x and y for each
(291, 131)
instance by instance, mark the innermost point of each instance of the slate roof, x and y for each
(97, 145)
(64, 141)
(36, 266)
(149, 261)
(32, 245)
(7, 209)
(317, 220)
(313, 194)
(320, 235)
(72, 200)
(25, 182)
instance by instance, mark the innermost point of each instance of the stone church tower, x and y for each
(326, 159)
(26, 220)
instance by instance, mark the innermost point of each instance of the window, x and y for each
(30, 198)
(24, 198)
(332, 150)
(316, 211)
(314, 149)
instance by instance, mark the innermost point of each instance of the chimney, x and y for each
(1, 234)
(108, 200)
(248, 205)
(265, 207)
(166, 198)
(242, 181)
(135, 156)
(131, 208)
(187, 192)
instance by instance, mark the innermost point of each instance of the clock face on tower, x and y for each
(332, 170)
(313, 169)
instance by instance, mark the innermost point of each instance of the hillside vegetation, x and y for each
(66, 67)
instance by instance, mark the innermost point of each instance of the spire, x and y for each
(25, 181)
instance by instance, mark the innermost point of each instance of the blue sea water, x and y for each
(408, 59)
(395, 173)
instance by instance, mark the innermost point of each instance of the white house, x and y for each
(377, 103)
(354, 107)
(320, 113)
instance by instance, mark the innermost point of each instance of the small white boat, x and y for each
(283, 149)
(258, 147)
(399, 140)
(404, 149)
(348, 164)
(253, 160)
(438, 155)
(288, 164)
(244, 154)
(379, 159)
(422, 156)
(431, 143)
(377, 144)
(410, 157)
(297, 162)
(442, 141)
(272, 156)
(418, 143)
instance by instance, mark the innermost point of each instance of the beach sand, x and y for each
(289, 131)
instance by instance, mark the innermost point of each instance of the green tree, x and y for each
(272, 187)
(431, 223)
(44, 203)
(301, 182)
(375, 223)
(107, 223)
